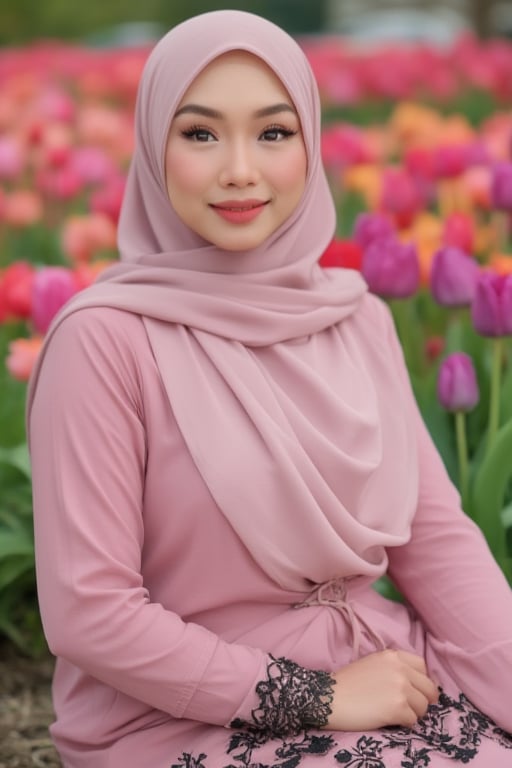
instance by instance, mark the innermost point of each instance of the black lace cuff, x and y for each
(291, 699)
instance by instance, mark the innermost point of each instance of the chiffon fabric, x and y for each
(218, 437)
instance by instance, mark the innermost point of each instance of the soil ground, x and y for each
(25, 711)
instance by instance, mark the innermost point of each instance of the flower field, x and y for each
(417, 143)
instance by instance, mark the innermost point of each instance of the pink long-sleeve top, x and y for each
(154, 608)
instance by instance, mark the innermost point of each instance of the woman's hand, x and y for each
(385, 688)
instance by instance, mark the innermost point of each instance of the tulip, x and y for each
(16, 285)
(53, 286)
(342, 253)
(22, 357)
(501, 187)
(457, 391)
(107, 199)
(457, 387)
(12, 158)
(84, 236)
(491, 313)
(400, 196)
(371, 226)
(22, 208)
(344, 145)
(491, 309)
(391, 268)
(453, 277)
(459, 230)
(450, 160)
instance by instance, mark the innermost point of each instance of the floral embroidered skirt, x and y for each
(452, 733)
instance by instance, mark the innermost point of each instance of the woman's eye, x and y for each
(277, 133)
(198, 134)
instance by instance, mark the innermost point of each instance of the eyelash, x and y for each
(194, 131)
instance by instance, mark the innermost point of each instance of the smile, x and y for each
(239, 212)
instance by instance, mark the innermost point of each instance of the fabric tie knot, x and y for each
(333, 594)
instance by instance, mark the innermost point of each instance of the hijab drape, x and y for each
(299, 489)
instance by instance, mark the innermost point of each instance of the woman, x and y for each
(227, 455)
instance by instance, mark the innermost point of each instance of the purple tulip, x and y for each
(391, 268)
(453, 277)
(52, 287)
(372, 226)
(501, 187)
(457, 387)
(491, 310)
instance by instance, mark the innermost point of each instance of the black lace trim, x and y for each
(453, 729)
(292, 698)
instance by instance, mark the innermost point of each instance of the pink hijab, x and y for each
(213, 318)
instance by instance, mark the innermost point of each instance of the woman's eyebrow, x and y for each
(199, 109)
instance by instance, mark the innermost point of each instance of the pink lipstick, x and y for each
(239, 211)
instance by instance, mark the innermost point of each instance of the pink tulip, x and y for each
(453, 277)
(400, 196)
(459, 231)
(450, 160)
(491, 310)
(92, 164)
(344, 145)
(12, 158)
(22, 357)
(108, 198)
(501, 187)
(372, 226)
(391, 268)
(457, 386)
(53, 287)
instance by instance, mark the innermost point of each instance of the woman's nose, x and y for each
(240, 166)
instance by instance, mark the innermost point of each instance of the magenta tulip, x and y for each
(372, 226)
(453, 277)
(52, 287)
(391, 268)
(501, 187)
(457, 386)
(491, 310)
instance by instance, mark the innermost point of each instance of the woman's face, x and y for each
(235, 161)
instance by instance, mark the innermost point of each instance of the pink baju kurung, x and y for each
(163, 623)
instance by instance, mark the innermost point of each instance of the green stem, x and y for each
(494, 400)
(462, 452)
(407, 328)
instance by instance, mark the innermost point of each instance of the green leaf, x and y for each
(489, 491)
(13, 567)
(17, 457)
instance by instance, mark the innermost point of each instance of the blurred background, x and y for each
(417, 143)
(131, 21)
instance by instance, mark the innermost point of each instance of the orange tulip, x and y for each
(22, 208)
(22, 356)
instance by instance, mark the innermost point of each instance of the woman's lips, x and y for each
(239, 211)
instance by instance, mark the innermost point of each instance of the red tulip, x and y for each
(16, 288)
(342, 253)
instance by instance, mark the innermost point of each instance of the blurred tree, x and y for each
(25, 20)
